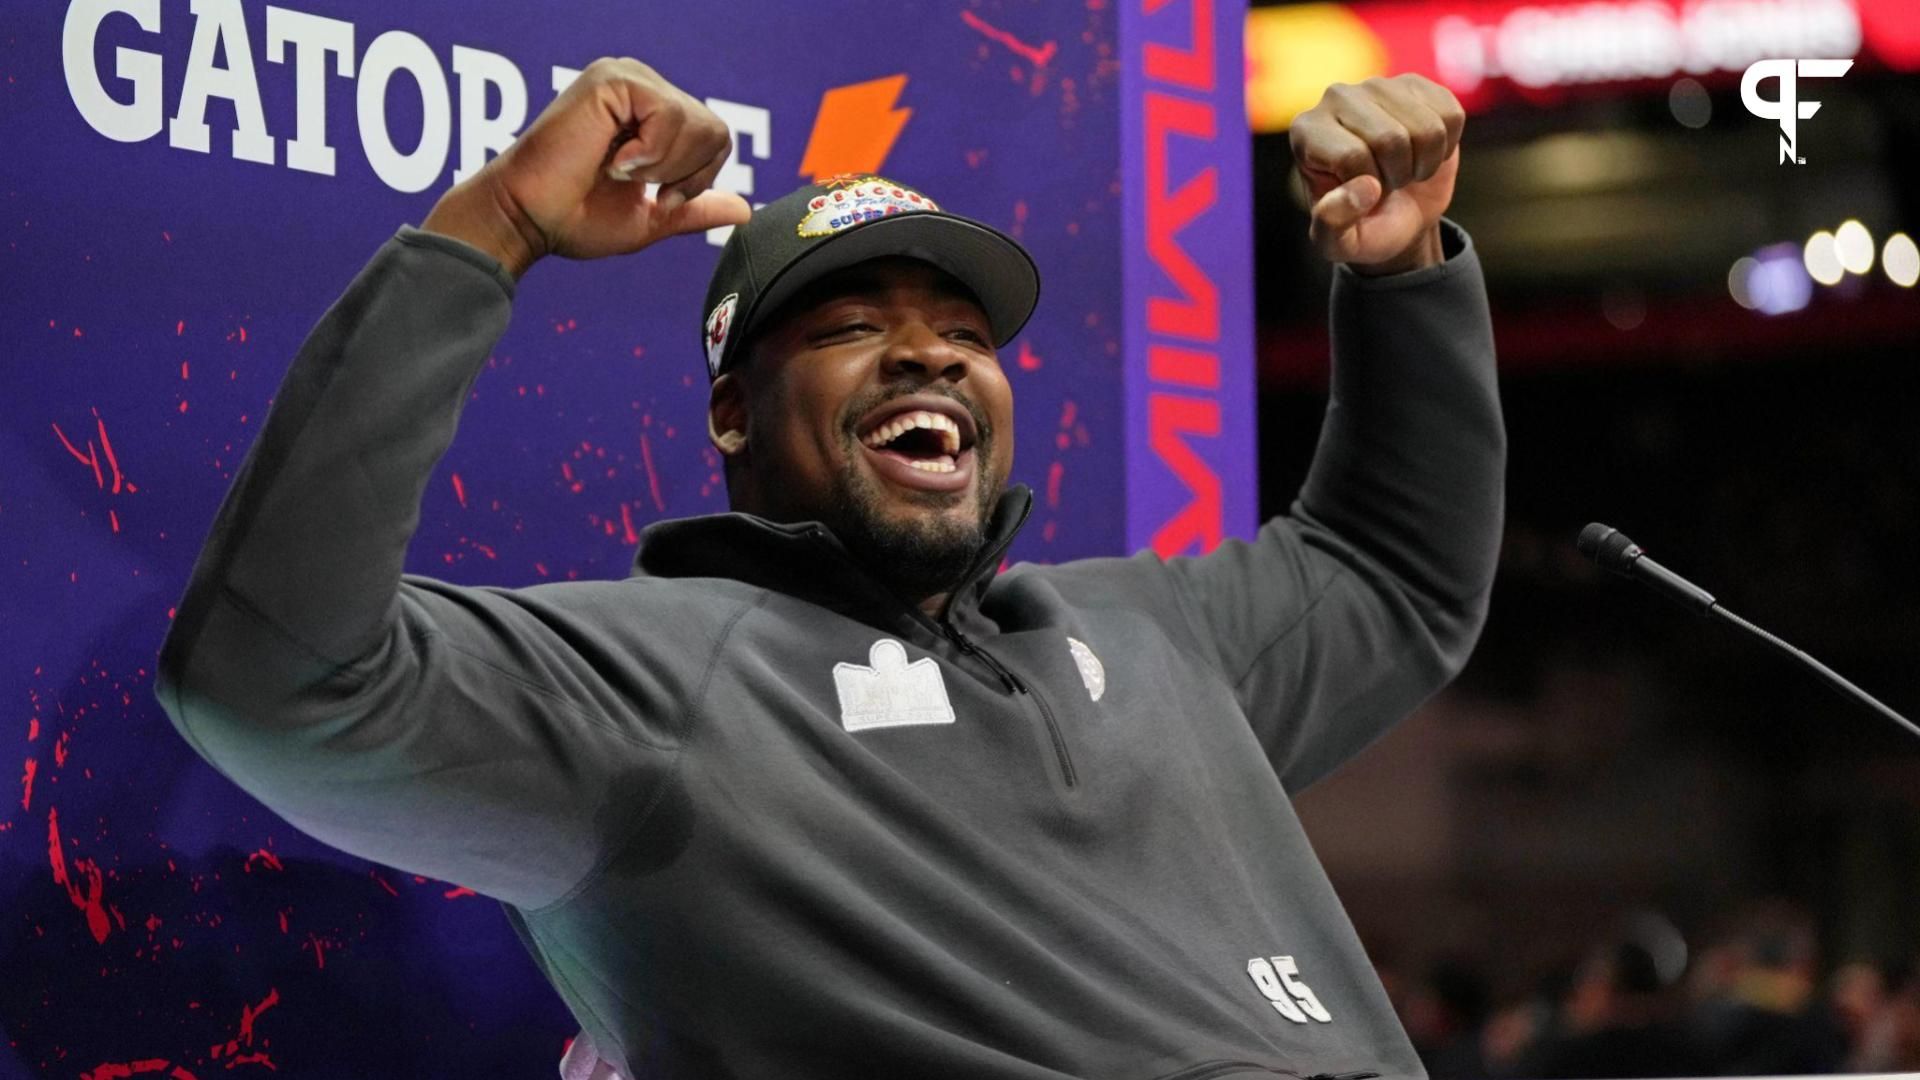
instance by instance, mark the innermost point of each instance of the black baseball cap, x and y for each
(843, 220)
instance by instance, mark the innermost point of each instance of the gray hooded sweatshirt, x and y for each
(756, 817)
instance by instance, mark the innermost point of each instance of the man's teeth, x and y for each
(930, 421)
(939, 464)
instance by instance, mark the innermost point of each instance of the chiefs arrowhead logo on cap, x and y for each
(719, 325)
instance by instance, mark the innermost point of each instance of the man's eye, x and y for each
(968, 333)
(845, 329)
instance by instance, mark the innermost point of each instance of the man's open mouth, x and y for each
(923, 442)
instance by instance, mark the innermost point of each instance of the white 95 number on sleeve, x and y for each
(1278, 979)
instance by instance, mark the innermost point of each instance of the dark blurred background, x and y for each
(1628, 842)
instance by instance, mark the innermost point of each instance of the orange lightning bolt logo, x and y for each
(855, 128)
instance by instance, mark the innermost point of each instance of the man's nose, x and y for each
(915, 350)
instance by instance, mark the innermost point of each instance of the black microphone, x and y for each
(1610, 548)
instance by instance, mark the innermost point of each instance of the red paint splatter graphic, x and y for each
(90, 459)
(101, 459)
(26, 784)
(113, 460)
(231, 1050)
(248, 1014)
(1035, 55)
(460, 491)
(653, 478)
(114, 1070)
(87, 900)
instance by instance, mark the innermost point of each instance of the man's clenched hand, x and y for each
(574, 182)
(1379, 158)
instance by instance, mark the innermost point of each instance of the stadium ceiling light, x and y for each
(1854, 245)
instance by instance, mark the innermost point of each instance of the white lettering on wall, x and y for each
(129, 104)
(752, 129)
(121, 121)
(312, 37)
(393, 52)
(479, 132)
(220, 25)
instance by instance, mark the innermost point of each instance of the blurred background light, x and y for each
(1822, 258)
(1738, 279)
(1690, 103)
(1663, 942)
(1779, 283)
(1901, 260)
(1295, 53)
(1624, 306)
(1854, 246)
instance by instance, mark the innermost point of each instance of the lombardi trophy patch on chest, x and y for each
(891, 692)
(1091, 672)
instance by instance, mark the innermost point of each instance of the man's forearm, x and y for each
(311, 539)
(1411, 463)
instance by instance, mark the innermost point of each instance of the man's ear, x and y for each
(727, 415)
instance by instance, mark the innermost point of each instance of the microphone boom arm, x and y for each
(1611, 549)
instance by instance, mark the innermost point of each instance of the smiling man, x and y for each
(820, 791)
(881, 412)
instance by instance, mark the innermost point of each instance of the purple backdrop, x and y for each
(157, 920)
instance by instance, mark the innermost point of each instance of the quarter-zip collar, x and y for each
(805, 560)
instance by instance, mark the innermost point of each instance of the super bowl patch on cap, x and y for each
(822, 228)
(855, 199)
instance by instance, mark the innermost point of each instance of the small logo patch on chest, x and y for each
(889, 692)
(1091, 673)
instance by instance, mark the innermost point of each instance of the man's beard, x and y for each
(916, 556)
